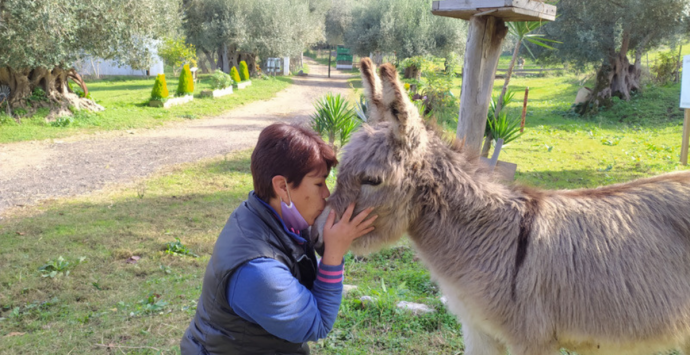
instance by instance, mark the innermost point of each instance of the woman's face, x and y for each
(310, 196)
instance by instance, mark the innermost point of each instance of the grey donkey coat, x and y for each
(598, 271)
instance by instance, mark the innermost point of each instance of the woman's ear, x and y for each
(279, 183)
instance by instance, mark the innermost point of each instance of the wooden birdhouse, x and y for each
(507, 10)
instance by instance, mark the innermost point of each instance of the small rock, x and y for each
(444, 300)
(366, 299)
(347, 289)
(133, 259)
(415, 308)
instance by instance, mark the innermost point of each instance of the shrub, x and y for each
(220, 80)
(334, 117)
(160, 88)
(234, 75)
(186, 84)
(175, 52)
(665, 68)
(502, 126)
(244, 71)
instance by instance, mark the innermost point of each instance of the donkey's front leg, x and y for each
(477, 342)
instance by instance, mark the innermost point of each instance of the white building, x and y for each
(99, 66)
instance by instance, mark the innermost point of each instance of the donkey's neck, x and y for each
(461, 211)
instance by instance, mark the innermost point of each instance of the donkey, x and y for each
(595, 271)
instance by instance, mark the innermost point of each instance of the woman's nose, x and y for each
(326, 192)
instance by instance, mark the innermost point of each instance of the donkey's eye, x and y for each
(374, 181)
(394, 111)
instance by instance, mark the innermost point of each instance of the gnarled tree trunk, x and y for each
(59, 97)
(412, 72)
(616, 77)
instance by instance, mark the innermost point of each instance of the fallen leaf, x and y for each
(13, 334)
(20, 233)
(133, 259)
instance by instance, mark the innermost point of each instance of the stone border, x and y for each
(216, 93)
(171, 102)
(243, 84)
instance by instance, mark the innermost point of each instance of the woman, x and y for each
(263, 292)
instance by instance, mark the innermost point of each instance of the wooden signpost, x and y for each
(487, 31)
(685, 104)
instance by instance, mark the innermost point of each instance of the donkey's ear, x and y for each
(372, 91)
(398, 108)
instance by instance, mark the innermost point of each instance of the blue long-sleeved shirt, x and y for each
(263, 291)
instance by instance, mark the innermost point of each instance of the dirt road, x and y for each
(36, 170)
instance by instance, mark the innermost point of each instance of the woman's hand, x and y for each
(338, 237)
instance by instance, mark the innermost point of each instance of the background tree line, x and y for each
(41, 40)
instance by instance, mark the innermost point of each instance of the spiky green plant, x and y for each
(335, 119)
(501, 126)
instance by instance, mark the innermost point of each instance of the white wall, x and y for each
(99, 66)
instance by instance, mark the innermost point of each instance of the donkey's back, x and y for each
(611, 267)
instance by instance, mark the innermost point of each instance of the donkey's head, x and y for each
(379, 166)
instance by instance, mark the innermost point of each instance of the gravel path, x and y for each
(36, 170)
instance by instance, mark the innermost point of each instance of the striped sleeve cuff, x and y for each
(330, 274)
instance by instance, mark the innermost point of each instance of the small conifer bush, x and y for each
(160, 88)
(235, 75)
(186, 84)
(244, 71)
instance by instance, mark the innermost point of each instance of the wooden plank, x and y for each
(483, 48)
(686, 138)
(504, 170)
(531, 70)
(508, 10)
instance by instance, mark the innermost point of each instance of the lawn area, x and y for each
(109, 305)
(126, 107)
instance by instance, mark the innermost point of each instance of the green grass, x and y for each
(144, 308)
(126, 107)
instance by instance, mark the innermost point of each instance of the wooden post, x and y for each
(686, 138)
(524, 111)
(680, 60)
(329, 61)
(484, 41)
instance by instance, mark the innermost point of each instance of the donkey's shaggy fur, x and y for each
(600, 271)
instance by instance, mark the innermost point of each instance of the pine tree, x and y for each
(186, 84)
(234, 74)
(244, 71)
(160, 88)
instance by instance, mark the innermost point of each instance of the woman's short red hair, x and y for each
(289, 150)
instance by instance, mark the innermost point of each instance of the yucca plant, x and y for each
(501, 126)
(335, 119)
(361, 108)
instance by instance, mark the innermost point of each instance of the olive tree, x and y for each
(404, 27)
(603, 33)
(230, 31)
(41, 40)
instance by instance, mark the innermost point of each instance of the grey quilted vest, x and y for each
(251, 232)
